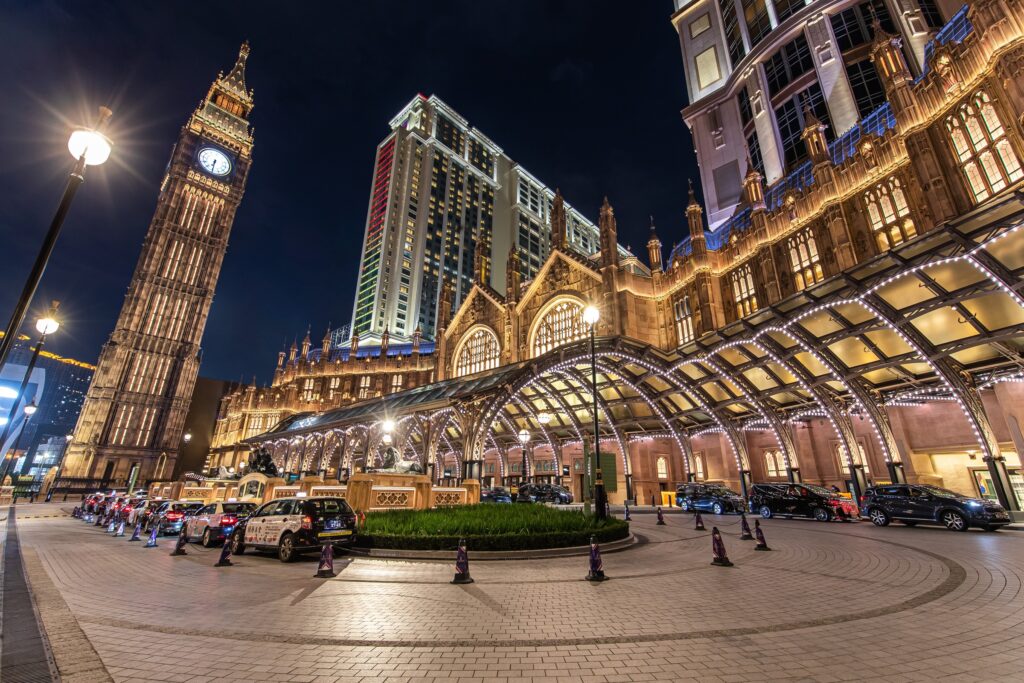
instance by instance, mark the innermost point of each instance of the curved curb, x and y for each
(484, 555)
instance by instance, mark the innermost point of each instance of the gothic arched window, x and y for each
(697, 466)
(985, 154)
(889, 214)
(662, 468)
(560, 325)
(774, 463)
(477, 353)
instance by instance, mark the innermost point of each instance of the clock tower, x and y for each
(132, 420)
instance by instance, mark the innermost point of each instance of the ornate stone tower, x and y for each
(132, 420)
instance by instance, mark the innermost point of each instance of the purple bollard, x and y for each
(718, 549)
(225, 554)
(151, 543)
(179, 547)
(661, 518)
(761, 543)
(462, 564)
(325, 570)
(625, 515)
(698, 522)
(596, 565)
(136, 532)
(120, 528)
(745, 534)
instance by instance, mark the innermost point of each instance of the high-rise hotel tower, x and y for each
(444, 200)
(755, 68)
(131, 423)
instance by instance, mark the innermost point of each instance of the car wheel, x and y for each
(684, 506)
(954, 521)
(286, 548)
(766, 512)
(878, 517)
(821, 514)
(237, 546)
(207, 538)
(717, 508)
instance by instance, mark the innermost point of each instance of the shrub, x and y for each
(486, 527)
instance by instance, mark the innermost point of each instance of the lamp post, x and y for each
(90, 148)
(45, 326)
(60, 467)
(524, 439)
(545, 419)
(590, 316)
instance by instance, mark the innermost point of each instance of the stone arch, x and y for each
(549, 335)
(490, 342)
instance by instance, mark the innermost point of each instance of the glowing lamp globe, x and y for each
(524, 436)
(30, 409)
(591, 315)
(47, 325)
(93, 144)
(544, 418)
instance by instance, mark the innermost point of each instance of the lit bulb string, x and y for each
(790, 457)
(1000, 379)
(927, 393)
(654, 408)
(816, 394)
(602, 406)
(547, 437)
(871, 290)
(552, 394)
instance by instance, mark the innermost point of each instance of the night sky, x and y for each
(585, 94)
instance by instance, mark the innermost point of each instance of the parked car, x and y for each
(170, 515)
(497, 494)
(216, 521)
(800, 500)
(291, 526)
(545, 493)
(716, 498)
(913, 503)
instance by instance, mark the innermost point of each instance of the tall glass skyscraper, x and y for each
(441, 190)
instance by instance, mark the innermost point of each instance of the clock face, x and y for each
(214, 161)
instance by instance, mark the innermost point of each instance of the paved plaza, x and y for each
(830, 602)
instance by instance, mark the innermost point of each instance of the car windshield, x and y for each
(330, 506)
(939, 491)
(238, 507)
(820, 490)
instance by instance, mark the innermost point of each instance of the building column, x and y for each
(828, 62)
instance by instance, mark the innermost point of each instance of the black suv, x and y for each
(913, 503)
(544, 493)
(716, 498)
(800, 500)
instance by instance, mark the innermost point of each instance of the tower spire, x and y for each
(609, 235)
(558, 230)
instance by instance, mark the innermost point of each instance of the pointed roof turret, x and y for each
(234, 82)
(558, 223)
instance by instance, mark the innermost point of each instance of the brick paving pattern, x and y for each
(831, 602)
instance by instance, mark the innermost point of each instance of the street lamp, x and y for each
(590, 316)
(186, 437)
(45, 325)
(387, 426)
(524, 438)
(544, 418)
(90, 148)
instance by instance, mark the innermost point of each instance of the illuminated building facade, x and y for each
(442, 192)
(313, 379)
(860, 320)
(132, 421)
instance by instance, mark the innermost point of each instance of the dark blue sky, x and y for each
(584, 93)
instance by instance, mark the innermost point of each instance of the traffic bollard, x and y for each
(761, 543)
(325, 570)
(596, 565)
(718, 549)
(661, 518)
(120, 528)
(179, 546)
(136, 533)
(745, 534)
(462, 564)
(151, 543)
(625, 515)
(225, 554)
(698, 522)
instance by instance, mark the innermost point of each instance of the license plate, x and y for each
(332, 524)
(343, 532)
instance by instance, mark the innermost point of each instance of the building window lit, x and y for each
(697, 466)
(396, 383)
(479, 352)
(684, 320)
(803, 259)
(774, 464)
(889, 214)
(561, 324)
(986, 157)
(309, 389)
(662, 468)
(743, 292)
(364, 386)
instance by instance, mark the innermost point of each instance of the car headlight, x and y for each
(973, 504)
